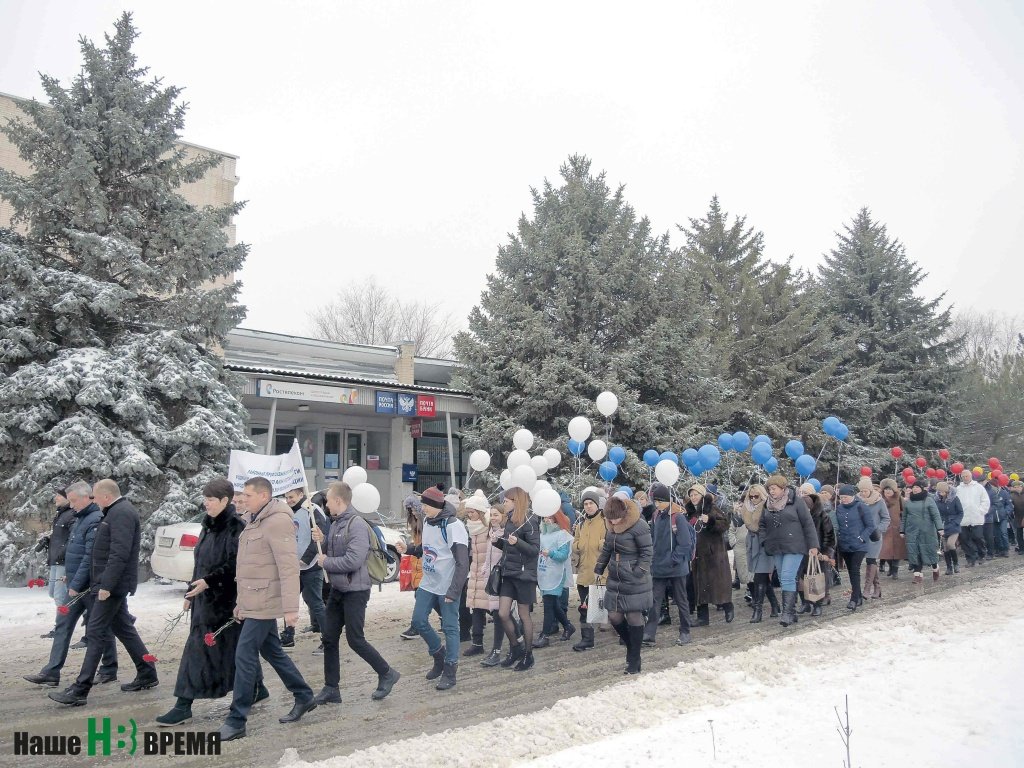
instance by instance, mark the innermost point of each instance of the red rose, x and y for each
(210, 639)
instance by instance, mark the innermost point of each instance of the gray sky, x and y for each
(401, 139)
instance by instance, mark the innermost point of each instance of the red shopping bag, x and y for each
(406, 567)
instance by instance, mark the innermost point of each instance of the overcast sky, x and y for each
(401, 139)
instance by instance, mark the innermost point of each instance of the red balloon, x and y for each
(896, 452)
(929, 472)
(865, 471)
(956, 468)
(921, 461)
(908, 472)
(1004, 480)
(993, 463)
(943, 454)
(940, 473)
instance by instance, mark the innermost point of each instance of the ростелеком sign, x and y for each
(314, 393)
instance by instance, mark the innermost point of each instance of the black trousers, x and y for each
(348, 610)
(108, 619)
(853, 561)
(480, 622)
(990, 537)
(677, 589)
(973, 541)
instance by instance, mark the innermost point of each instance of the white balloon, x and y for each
(553, 456)
(546, 502)
(505, 479)
(479, 460)
(354, 476)
(539, 486)
(524, 477)
(667, 472)
(607, 403)
(539, 464)
(523, 438)
(517, 458)
(597, 449)
(365, 498)
(579, 429)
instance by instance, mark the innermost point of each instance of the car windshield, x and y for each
(198, 518)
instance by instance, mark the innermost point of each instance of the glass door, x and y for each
(355, 448)
(331, 468)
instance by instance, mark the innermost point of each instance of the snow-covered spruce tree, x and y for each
(116, 293)
(584, 298)
(761, 326)
(898, 341)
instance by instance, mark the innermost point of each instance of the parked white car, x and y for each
(173, 553)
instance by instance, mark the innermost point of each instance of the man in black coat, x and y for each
(114, 574)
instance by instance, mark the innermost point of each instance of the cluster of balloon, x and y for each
(833, 427)
(997, 476)
(580, 430)
(523, 470)
(365, 497)
(763, 455)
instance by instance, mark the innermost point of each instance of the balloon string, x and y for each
(839, 461)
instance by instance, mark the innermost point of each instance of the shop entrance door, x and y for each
(355, 449)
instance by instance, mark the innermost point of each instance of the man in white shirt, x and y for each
(974, 499)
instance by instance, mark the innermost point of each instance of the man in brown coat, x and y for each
(267, 574)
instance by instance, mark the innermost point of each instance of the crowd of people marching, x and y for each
(475, 563)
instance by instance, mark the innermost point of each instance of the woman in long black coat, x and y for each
(207, 671)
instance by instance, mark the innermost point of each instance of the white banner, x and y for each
(284, 471)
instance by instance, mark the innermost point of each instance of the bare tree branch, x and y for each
(368, 313)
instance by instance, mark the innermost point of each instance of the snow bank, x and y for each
(932, 682)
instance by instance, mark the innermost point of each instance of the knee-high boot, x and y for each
(773, 601)
(758, 604)
(634, 642)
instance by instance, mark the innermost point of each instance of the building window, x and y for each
(431, 452)
(378, 450)
(283, 438)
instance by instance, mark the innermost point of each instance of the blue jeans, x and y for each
(311, 582)
(1002, 542)
(259, 638)
(62, 641)
(787, 566)
(58, 588)
(425, 603)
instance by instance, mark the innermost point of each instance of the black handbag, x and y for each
(493, 585)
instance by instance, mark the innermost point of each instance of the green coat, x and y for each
(921, 523)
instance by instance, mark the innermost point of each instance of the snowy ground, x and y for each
(931, 672)
(920, 693)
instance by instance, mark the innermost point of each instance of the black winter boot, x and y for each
(526, 662)
(949, 563)
(447, 676)
(493, 658)
(475, 649)
(805, 607)
(759, 591)
(816, 610)
(702, 616)
(634, 641)
(730, 612)
(773, 601)
(586, 639)
(515, 653)
(956, 562)
(438, 668)
(788, 608)
(748, 596)
(894, 569)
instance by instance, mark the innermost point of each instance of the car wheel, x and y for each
(393, 566)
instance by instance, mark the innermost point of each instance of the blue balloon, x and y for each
(771, 465)
(740, 441)
(830, 425)
(651, 458)
(760, 452)
(816, 483)
(709, 456)
(608, 471)
(842, 432)
(669, 456)
(617, 454)
(794, 449)
(626, 490)
(806, 465)
(697, 468)
(762, 439)
(690, 457)
(576, 447)
(725, 441)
